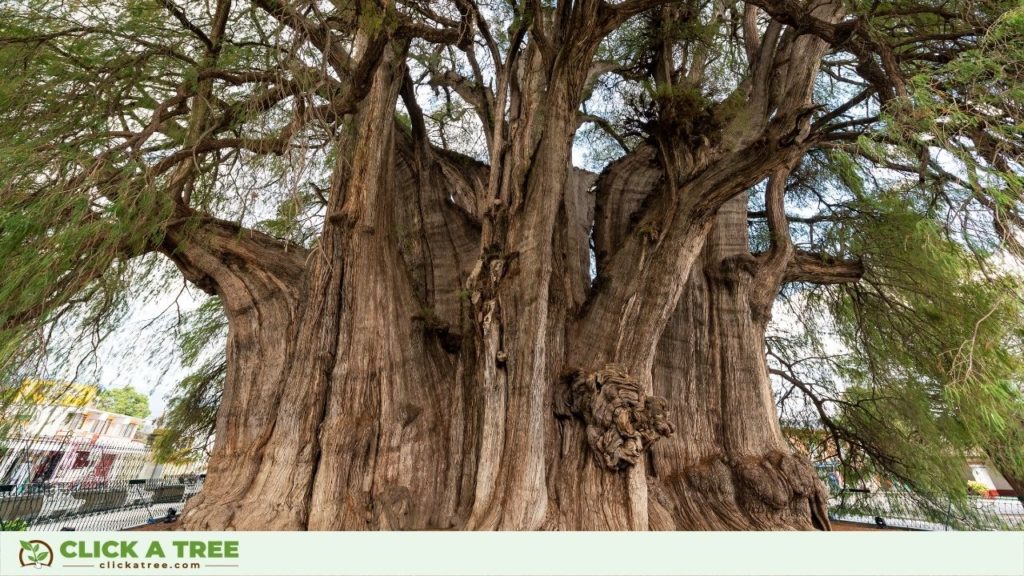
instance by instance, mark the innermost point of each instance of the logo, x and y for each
(35, 553)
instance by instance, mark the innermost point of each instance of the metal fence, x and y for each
(89, 483)
(113, 505)
(71, 460)
(905, 510)
(118, 505)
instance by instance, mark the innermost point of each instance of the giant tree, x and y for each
(435, 319)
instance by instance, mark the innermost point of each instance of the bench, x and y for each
(100, 500)
(168, 494)
(26, 507)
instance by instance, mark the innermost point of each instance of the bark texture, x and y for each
(444, 357)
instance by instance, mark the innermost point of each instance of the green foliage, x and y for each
(83, 207)
(69, 219)
(186, 428)
(16, 525)
(919, 365)
(125, 400)
(977, 488)
(932, 365)
(970, 114)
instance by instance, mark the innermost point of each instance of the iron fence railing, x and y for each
(83, 461)
(92, 482)
(898, 509)
(118, 505)
(114, 505)
(70, 460)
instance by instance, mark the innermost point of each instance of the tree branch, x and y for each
(187, 24)
(818, 268)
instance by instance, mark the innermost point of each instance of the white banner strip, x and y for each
(512, 553)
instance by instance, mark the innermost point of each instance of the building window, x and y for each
(81, 459)
(74, 421)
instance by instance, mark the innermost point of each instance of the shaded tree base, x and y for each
(777, 491)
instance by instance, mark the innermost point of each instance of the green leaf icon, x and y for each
(41, 557)
(26, 546)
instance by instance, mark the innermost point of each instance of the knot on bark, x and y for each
(712, 477)
(488, 273)
(734, 270)
(433, 326)
(621, 420)
(778, 479)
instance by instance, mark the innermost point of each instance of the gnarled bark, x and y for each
(510, 343)
(443, 360)
(257, 279)
(728, 467)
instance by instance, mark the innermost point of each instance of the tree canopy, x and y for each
(125, 400)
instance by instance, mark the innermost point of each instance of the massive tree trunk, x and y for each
(402, 436)
(510, 343)
(443, 359)
(728, 466)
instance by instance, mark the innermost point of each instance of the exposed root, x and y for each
(782, 484)
(622, 421)
(775, 490)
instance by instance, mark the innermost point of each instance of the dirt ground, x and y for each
(837, 526)
(840, 526)
(158, 527)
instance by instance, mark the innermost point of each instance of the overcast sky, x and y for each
(138, 354)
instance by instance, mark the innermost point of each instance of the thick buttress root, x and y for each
(622, 420)
(779, 484)
(775, 490)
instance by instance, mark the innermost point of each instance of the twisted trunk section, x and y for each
(362, 436)
(728, 467)
(257, 279)
(440, 359)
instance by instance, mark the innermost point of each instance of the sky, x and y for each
(126, 356)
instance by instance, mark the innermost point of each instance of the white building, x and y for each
(59, 437)
(982, 471)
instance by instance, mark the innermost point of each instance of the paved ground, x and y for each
(158, 527)
(113, 520)
(844, 526)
